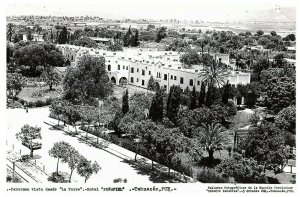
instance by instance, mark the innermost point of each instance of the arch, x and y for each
(123, 81)
(113, 80)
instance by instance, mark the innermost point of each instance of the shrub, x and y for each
(25, 158)
(13, 104)
(243, 170)
(57, 178)
(9, 179)
(208, 175)
(39, 103)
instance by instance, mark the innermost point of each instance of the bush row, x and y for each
(38, 103)
(20, 103)
(205, 175)
(13, 104)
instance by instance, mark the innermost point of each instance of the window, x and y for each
(175, 77)
(137, 79)
(108, 67)
(132, 80)
(126, 67)
(119, 67)
(181, 80)
(158, 74)
(220, 59)
(143, 72)
(132, 70)
(198, 83)
(171, 76)
(137, 70)
(149, 72)
(165, 87)
(123, 67)
(191, 82)
(165, 77)
(143, 82)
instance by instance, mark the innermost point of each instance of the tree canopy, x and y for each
(33, 57)
(87, 81)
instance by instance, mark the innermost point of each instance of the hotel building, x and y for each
(135, 66)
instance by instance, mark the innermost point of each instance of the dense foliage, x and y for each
(88, 81)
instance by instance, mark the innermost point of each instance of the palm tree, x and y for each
(213, 137)
(215, 74)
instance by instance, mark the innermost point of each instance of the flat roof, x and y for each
(100, 39)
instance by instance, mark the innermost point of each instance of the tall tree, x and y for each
(161, 34)
(59, 151)
(193, 100)
(265, 143)
(63, 36)
(31, 57)
(58, 109)
(156, 109)
(72, 116)
(51, 76)
(214, 74)
(210, 96)
(9, 31)
(127, 39)
(87, 81)
(226, 91)
(85, 168)
(213, 137)
(136, 41)
(201, 100)
(29, 35)
(152, 84)
(73, 160)
(125, 102)
(173, 103)
(202, 42)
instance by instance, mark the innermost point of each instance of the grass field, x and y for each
(26, 93)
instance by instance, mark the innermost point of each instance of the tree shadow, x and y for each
(206, 162)
(100, 144)
(272, 180)
(154, 176)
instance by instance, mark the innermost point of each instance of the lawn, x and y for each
(27, 93)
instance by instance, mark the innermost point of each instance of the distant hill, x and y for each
(279, 15)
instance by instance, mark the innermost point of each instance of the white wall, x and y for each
(158, 63)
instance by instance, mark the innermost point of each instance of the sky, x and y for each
(209, 10)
